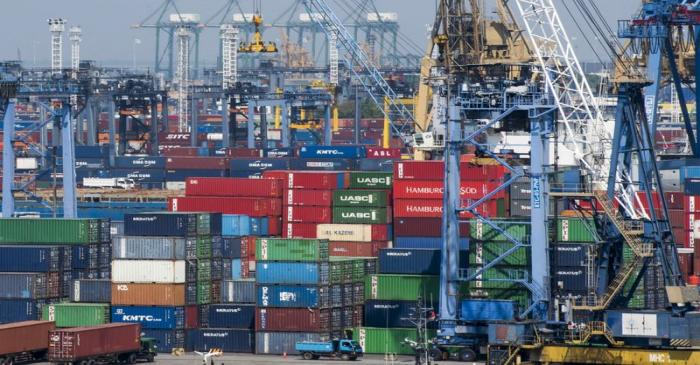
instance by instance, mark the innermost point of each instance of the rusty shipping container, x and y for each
(72, 344)
(229, 186)
(254, 207)
(356, 249)
(24, 336)
(148, 294)
(292, 319)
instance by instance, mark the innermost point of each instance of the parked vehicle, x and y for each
(109, 343)
(344, 349)
(24, 342)
(113, 182)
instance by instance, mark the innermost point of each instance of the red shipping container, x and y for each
(684, 238)
(25, 336)
(386, 153)
(292, 319)
(197, 163)
(301, 214)
(323, 198)
(176, 139)
(70, 344)
(242, 152)
(416, 208)
(424, 227)
(246, 266)
(435, 170)
(274, 227)
(313, 180)
(191, 316)
(356, 249)
(254, 207)
(299, 230)
(248, 247)
(691, 204)
(177, 151)
(230, 186)
(685, 260)
(677, 218)
(433, 189)
(675, 200)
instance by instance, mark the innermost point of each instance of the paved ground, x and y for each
(241, 359)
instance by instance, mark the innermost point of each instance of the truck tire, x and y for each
(131, 359)
(91, 362)
(150, 358)
(316, 357)
(345, 357)
(436, 354)
(467, 355)
(307, 356)
(8, 361)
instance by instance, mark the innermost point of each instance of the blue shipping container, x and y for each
(139, 175)
(375, 164)
(166, 339)
(259, 226)
(414, 261)
(31, 258)
(235, 225)
(18, 310)
(487, 310)
(267, 272)
(101, 151)
(391, 314)
(292, 296)
(168, 224)
(426, 242)
(259, 164)
(139, 162)
(246, 174)
(90, 291)
(231, 316)
(332, 152)
(320, 164)
(150, 317)
(230, 247)
(228, 340)
(278, 152)
(236, 269)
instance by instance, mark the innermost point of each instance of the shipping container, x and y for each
(259, 164)
(433, 189)
(300, 230)
(487, 310)
(424, 227)
(486, 251)
(376, 164)
(17, 310)
(322, 198)
(29, 286)
(292, 296)
(254, 207)
(570, 254)
(401, 287)
(370, 180)
(230, 248)
(322, 164)
(227, 340)
(72, 344)
(268, 272)
(482, 231)
(264, 188)
(148, 294)
(356, 249)
(273, 249)
(166, 339)
(51, 231)
(150, 317)
(278, 343)
(139, 162)
(332, 152)
(405, 242)
(307, 214)
(432, 208)
(32, 258)
(386, 340)
(230, 316)
(360, 198)
(172, 224)
(576, 230)
(148, 271)
(383, 153)
(277, 152)
(312, 180)
(292, 319)
(24, 336)
(409, 261)
(391, 314)
(76, 314)
(361, 215)
(196, 163)
(435, 170)
(238, 291)
(354, 232)
(91, 291)
(154, 248)
(571, 279)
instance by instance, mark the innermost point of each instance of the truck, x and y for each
(109, 182)
(344, 349)
(24, 342)
(108, 343)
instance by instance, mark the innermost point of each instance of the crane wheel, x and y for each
(467, 355)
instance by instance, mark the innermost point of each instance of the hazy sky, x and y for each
(109, 38)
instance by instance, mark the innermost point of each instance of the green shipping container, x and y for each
(401, 287)
(520, 295)
(282, 249)
(203, 292)
(50, 231)
(203, 247)
(481, 252)
(341, 270)
(576, 230)
(203, 270)
(482, 231)
(360, 198)
(76, 314)
(361, 215)
(370, 180)
(386, 340)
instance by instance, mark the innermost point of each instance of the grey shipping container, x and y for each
(520, 190)
(91, 291)
(156, 248)
(238, 291)
(277, 343)
(228, 340)
(520, 207)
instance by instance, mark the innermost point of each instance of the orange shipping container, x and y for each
(148, 294)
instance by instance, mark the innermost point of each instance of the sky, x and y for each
(108, 36)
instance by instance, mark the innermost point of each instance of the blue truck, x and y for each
(344, 349)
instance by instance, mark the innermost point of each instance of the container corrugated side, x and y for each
(148, 271)
(361, 215)
(370, 180)
(292, 319)
(230, 316)
(24, 336)
(291, 249)
(277, 343)
(484, 232)
(166, 339)
(91, 291)
(17, 310)
(24, 285)
(360, 198)
(235, 225)
(31, 258)
(307, 214)
(269, 272)
(353, 232)
(150, 317)
(254, 207)
(313, 180)
(148, 294)
(401, 287)
(386, 340)
(51, 231)
(76, 314)
(390, 314)
(576, 230)
(238, 291)
(321, 198)
(263, 188)
(155, 248)
(228, 340)
(293, 296)
(410, 261)
(70, 344)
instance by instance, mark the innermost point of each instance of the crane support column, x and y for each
(112, 131)
(251, 125)
(327, 131)
(70, 209)
(194, 125)
(285, 125)
(449, 272)
(91, 106)
(226, 141)
(8, 158)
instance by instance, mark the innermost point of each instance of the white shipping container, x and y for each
(175, 185)
(148, 271)
(345, 232)
(26, 163)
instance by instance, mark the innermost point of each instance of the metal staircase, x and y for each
(630, 233)
(583, 335)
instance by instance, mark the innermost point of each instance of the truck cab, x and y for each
(345, 349)
(149, 349)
